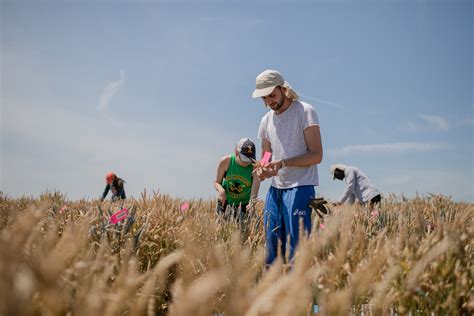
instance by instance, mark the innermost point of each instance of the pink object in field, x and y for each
(374, 213)
(322, 226)
(265, 158)
(63, 209)
(184, 206)
(119, 216)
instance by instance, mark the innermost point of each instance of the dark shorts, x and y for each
(375, 200)
(230, 211)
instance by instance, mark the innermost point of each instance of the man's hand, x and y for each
(268, 173)
(275, 165)
(264, 171)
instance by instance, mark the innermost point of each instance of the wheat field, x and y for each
(60, 257)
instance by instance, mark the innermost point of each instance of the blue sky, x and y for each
(159, 91)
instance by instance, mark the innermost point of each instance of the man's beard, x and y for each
(279, 104)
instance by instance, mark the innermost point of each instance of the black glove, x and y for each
(318, 205)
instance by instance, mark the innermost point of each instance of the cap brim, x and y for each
(245, 158)
(258, 93)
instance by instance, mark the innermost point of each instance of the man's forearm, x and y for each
(305, 160)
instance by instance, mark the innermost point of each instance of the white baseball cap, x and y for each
(266, 82)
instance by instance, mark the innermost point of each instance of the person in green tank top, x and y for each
(235, 183)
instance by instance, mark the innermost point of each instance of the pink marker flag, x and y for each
(184, 206)
(119, 216)
(265, 158)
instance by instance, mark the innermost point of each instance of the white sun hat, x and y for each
(269, 80)
(266, 82)
(339, 166)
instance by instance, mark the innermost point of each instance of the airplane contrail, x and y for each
(333, 104)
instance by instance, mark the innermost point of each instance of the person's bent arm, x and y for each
(255, 187)
(221, 170)
(350, 178)
(106, 191)
(254, 192)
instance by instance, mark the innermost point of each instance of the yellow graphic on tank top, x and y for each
(237, 187)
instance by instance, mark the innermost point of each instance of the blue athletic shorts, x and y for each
(284, 208)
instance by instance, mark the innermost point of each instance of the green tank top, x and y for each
(237, 182)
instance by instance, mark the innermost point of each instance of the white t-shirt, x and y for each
(285, 133)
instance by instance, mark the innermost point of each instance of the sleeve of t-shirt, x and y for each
(310, 118)
(262, 130)
(350, 178)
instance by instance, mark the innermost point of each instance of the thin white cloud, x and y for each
(393, 147)
(251, 22)
(255, 22)
(411, 126)
(466, 122)
(448, 182)
(435, 121)
(109, 91)
(399, 179)
(142, 157)
(332, 104)
(212, 19)
(409, 181)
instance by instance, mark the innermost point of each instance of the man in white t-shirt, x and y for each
(290, 131)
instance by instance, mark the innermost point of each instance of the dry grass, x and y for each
(414, 257)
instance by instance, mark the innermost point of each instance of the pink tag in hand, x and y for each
(119, 216)
(184, 206)
(265, 158)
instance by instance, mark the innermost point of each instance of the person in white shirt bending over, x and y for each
(358, 187)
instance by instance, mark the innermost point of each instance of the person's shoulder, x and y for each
(224, 163)
(304, 109)
(305, 106)
(226, 158)
(267, 115)
(350, 169)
